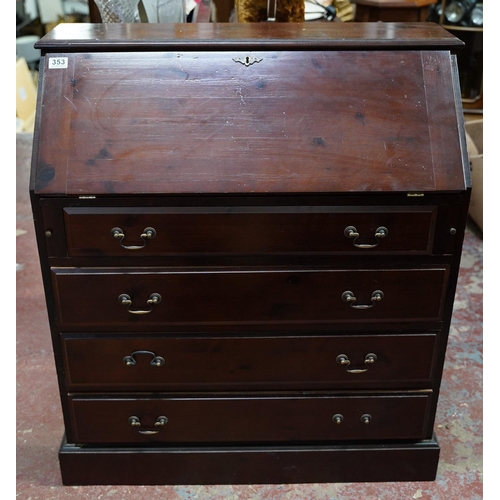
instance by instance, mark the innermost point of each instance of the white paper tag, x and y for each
(58, 62)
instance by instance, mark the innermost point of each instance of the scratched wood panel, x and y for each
(198, 122)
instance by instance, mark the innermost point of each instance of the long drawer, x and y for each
(249, 419)
(137, 232)
(163, 299)
(142, 363)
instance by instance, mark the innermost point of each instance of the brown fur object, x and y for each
(254, 11)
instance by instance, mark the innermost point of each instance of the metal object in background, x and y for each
(464, 13)
(476, 15)
(454, 12)
(464, 19)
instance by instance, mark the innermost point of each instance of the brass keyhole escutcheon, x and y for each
(247, 60)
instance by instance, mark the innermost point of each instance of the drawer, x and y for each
(249, 419)
(164, 299)
(247, 363)
(207, 231)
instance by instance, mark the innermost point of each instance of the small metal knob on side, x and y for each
(342, 359)
(366, 418)
(337, 418)
(348, 296)
(154, 298)
(161, 421)
(134, 421)
(370, 358)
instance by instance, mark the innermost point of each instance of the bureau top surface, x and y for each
(120, 36)
(257, 118)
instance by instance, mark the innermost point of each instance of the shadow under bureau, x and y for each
(250, 237)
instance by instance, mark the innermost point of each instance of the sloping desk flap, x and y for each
(248, 121)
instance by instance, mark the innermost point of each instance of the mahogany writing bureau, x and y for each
(250, 238)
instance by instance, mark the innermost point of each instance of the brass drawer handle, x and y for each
(148, 234)
(349, 297)
(160, 422)
(156, 361)
(370, 358)
(338, 418)
(154, 298)
(351, 232)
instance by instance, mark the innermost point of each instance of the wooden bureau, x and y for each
(250, 237)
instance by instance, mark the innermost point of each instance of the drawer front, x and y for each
(251, 363)
(247, 230)
(161, 299)
(260, 419)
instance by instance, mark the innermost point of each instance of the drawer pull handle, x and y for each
(156, 361)
(342, 359)
(352, 232)
(349, 297)
(148, 234)
(160, 422)
(154, 298)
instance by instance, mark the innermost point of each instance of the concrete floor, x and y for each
(459, 423)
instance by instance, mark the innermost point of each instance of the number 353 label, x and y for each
(58, 62)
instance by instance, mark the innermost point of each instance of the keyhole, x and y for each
(247, 59)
